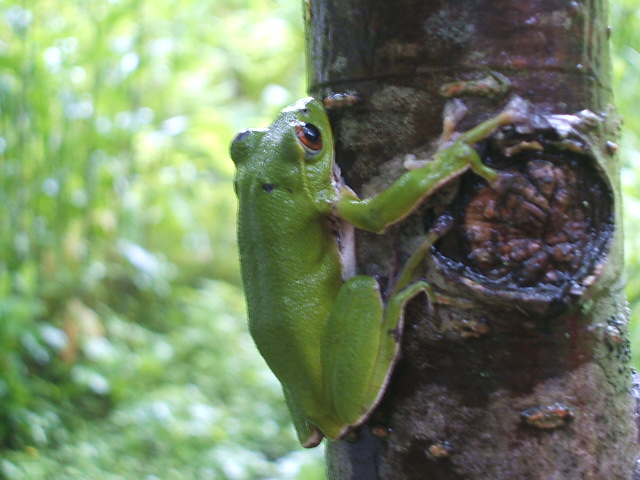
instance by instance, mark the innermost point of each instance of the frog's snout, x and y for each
(243, 143)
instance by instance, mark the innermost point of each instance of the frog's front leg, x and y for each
(407, 192)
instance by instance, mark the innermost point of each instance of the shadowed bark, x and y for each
(521, 368)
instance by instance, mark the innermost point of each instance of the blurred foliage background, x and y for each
(123, 344)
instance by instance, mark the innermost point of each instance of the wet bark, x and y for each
(520, 370)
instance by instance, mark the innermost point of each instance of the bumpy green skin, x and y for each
(332, 342)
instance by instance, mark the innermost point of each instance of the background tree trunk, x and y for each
(524, 375)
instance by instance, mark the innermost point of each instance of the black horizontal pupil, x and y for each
(311, 132)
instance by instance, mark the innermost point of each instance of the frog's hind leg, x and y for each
(404, 290)
(361, 343)
(349, 352)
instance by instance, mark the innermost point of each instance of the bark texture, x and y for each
(521, 369)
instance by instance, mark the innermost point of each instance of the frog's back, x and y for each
(289, 257)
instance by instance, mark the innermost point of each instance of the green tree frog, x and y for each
(328, 334)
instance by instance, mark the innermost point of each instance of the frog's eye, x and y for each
(309, 136)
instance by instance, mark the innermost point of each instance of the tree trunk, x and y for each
(520, 370)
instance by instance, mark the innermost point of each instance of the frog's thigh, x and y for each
(351, 347)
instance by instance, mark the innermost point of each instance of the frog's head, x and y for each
(295, 151)
(312, 146)
(244, 143)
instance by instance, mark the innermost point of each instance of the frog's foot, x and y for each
(516, 111)
(454, 112)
